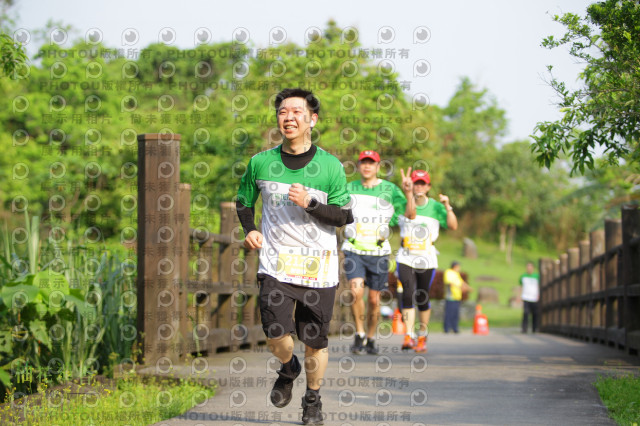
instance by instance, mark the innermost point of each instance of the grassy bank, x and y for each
(131, 401)
(621, 395)
(490, 269)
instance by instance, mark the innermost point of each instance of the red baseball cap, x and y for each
(417, 175)
(369, 154)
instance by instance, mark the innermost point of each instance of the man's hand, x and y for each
(407, 183)
(299, 195)
(253, 240)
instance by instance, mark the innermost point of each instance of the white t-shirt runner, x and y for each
(374, 210)
(419, 234)
(296, 247)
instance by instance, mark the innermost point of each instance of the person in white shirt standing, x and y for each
(530, 282)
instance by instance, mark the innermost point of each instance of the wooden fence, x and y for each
(197, 290)
(592, 292)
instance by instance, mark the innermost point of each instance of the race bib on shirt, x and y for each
(367, 232)
(415, 244)
(302, 263)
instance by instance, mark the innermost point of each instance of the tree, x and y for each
(83, 106)
(470, 127)
(12, 54)
(605, 111)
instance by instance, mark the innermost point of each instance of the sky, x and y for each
(496, 44)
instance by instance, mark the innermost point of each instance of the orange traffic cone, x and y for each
(480, 322)
(397, 326)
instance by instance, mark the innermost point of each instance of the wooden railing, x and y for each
(197, 290)
(592, 292)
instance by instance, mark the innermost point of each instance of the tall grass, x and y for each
(130, 401)
(67, 309)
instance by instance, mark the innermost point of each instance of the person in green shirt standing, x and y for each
(530, 282)
(375, 204)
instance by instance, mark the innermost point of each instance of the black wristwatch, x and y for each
(313, 204)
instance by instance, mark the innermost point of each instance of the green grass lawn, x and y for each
(621, 395)
(131, 401)
(490, 269)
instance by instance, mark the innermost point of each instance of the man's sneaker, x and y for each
(421, 347)
(358, 345)
(281, 392)
(408, 343)
(311, 409)
(371, 347)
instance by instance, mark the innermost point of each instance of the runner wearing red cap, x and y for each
(417, 258)
(375, 204)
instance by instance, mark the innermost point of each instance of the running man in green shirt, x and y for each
(375, 204)
(304, 199)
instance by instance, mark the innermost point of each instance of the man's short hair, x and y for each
(312, 102)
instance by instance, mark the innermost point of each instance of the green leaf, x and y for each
(41, 308)
(5, 378)
(39, 330)
(77, 299)
(18, 295)
(48, 281)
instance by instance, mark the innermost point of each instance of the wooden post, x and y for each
(183, 218)
(545, 266)
(564, 289)
(597, 248)
(158, 266)
(557, 311)
(596, 281)
(228, 272)
(631, 277)
(584, 307)
(574, 283)
(585, 258)
(613, 238)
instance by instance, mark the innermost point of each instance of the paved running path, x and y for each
(504, 378)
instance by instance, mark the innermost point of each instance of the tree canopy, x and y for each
(73, 120)
(605, 111)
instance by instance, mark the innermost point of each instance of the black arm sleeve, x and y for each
(247, 217)
(330, 214)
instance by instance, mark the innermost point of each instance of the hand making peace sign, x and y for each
(407, 183)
